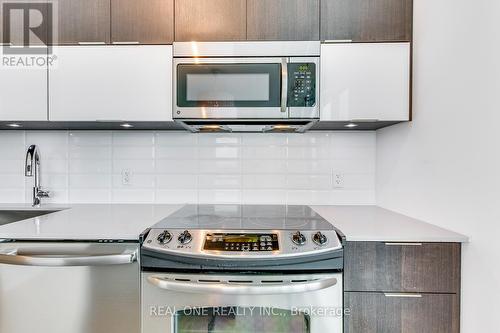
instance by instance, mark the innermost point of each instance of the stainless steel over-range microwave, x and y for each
(245, 82)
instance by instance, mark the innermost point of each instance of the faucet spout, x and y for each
(33, 169)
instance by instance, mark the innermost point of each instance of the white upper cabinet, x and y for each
(366, 81)
(23, 94)
(111, 83)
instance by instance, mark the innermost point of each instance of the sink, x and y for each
(9, 216)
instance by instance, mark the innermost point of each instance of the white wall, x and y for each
(445, 166)
(179, 167)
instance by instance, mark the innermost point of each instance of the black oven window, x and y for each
(241, 320)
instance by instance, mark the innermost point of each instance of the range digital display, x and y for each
(241, 242)
(241, 239)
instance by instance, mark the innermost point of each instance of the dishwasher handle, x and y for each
(235, 289)
(12, 258)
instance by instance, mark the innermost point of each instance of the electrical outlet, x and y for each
(126, 177)
(338, 180)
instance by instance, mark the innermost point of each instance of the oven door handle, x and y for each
(242, 289)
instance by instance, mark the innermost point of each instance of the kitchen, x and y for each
(344, 149)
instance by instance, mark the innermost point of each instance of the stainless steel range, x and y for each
(244, 269)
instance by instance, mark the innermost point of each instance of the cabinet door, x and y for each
(83, 21)
(367, 20)
(23, 94)
(397, 313)
(210, 20)
(283, 20)
(400, 267)
(142, 21)
(366, 81)
(115, 83)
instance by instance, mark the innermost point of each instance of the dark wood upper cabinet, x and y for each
(428, 267)
(83, 21)
(283, 19)
(210, 20)
(381, 313)
(366, 20)
(142, 21)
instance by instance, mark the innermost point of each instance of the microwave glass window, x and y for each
(229, 85)
(241, 320)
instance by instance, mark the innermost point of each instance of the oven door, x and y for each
(202, 303)
(230, 88)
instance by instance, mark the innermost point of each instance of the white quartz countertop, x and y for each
(376, 224)
(128, 221)
(86, 222)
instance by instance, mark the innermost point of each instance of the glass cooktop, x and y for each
(245, 217)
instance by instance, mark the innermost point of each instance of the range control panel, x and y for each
(241, 242)
(301, 84)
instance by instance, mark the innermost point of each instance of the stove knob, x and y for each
(164, 238)
(320, 239)
(298, 238)
(185, 237)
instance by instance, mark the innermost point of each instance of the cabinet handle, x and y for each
(91, 43)
(12, 258)
(125, 43)
(284, 84)
(7, 44)
(333, 41)
(403, 295)
(403, 244)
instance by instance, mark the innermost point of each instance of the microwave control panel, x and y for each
(301, 85)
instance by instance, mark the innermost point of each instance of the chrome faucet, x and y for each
(32, 169)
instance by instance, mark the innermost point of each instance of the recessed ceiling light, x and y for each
(14, 125)
(351, 125)
(126, 125)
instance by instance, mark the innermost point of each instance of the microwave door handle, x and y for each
(284, 84)
(225, 288)
(12, 258)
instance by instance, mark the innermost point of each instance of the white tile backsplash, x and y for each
(265, 181)
(12, 181)
(264, 152)
(180, 167)
(177, 182)
(219, 182)
(171, 166)
(89, 181)
(90, 138)
(12, 195)
(12, 167)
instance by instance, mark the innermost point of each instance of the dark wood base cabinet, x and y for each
(400, 313)
(402, 287)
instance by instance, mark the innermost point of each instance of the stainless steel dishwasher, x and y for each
(69, 287)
